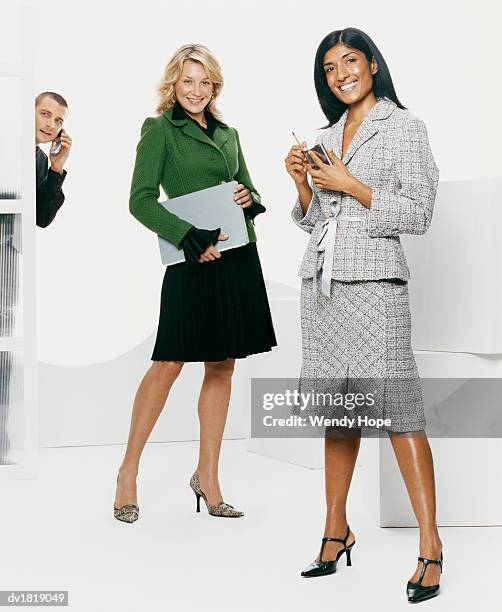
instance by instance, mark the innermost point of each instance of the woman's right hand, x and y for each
(296, 166)
(212, 253)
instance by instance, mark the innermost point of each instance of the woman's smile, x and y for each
(349, 86)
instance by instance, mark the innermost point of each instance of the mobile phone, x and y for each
(56, 145)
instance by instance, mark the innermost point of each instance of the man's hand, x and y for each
(58, 161)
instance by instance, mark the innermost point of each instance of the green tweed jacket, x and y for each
(178, 155)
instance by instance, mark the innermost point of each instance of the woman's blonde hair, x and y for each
(173, 70)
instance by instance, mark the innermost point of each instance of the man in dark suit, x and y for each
(51, 110)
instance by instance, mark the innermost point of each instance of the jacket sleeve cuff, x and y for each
(305, 221)
(256, 208)
(56, 179)
(177, 234)
(382, 217)
(196, 241)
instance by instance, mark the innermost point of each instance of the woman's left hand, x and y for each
(242, 196)
(335, 177)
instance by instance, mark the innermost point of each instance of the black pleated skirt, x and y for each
(215, 310)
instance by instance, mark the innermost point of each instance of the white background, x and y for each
(98, 268)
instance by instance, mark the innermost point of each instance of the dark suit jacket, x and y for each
(50, 196)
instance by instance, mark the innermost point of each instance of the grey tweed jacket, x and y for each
(390, 152)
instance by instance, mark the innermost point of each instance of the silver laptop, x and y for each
(207, 209)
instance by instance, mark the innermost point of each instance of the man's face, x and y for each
(49, 119)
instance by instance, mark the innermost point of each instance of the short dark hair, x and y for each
(51, 94)
(331, 106)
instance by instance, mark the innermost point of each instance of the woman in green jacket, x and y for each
(214, 306)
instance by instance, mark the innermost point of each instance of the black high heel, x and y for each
(415, 591)
(323, 568)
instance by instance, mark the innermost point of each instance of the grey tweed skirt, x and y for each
(359, 340)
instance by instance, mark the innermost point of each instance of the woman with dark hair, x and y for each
(356, 322)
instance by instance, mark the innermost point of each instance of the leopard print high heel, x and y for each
(222, 509)
(129, 513)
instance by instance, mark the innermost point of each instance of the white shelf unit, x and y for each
(25, 457)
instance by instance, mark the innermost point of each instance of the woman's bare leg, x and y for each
(414, 457)
(148, 404)
(213, 408)
(340, 460)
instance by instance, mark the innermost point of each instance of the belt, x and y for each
(326, 243)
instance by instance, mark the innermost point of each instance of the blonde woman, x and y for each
(214, 307)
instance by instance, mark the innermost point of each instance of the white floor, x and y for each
(58, 532)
